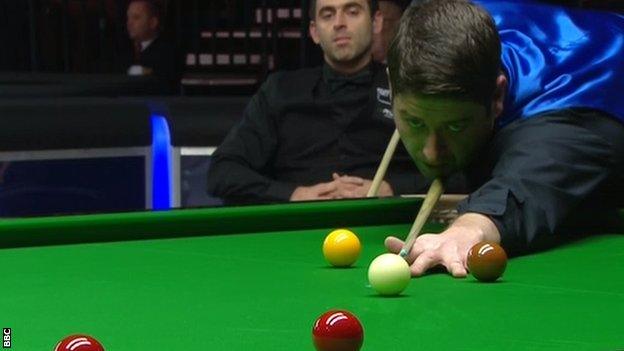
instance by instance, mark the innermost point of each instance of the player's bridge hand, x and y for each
(448, 249)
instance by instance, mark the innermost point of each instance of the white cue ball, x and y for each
(389, 274)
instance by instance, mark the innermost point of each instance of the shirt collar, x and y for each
(146, 43)
(337, 81)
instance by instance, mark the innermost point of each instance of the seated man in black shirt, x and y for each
(524, 96)
(317, 133)
(152, 54)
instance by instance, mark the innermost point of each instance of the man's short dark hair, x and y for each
(402, 4)
(153, 6)
(372, 4)
(446, 47)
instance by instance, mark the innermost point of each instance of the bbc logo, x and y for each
(6, 338)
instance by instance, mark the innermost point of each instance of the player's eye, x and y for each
(326, 15)
(457, 127)
(354, 11)
(415, 123)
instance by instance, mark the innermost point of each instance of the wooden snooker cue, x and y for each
(433, 195)
(445, 211)
(383, 165)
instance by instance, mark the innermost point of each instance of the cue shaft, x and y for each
(383, 165)
(433, 195)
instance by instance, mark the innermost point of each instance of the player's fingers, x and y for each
(352, 194)
(423, 262)
(456, 269)
(335, 176)
(393, 244)
(324, 188)
(350, 187)
(349, 194)
(352, 180)
(420, 246)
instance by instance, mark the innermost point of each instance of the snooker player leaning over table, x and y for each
(527, 99)
(303, 128)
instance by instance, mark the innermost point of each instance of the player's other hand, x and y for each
(321, 191)
(449, 248)
(356, 187)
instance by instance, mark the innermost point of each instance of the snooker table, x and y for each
(254, 278)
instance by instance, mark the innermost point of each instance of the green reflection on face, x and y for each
(442, 134)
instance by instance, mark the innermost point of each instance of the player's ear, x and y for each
(377, 22)
(313, 32)
(498, 99)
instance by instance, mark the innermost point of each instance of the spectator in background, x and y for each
(391, 11)
(152, 53)
(317, 133)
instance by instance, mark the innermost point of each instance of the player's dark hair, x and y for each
(372, 5)
(446, 47)
(153, 6)
(402, 4)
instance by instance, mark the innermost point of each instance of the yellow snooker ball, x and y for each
(341, 248)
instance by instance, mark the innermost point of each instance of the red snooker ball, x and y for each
(337, 330)
(79, 343)
(487, 261)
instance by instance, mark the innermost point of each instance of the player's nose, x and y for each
(435, 150)
(339, 20)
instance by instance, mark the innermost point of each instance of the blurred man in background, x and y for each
(152, 53)
(391, 11)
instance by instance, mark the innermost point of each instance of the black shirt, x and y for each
(302, 126)
(561, 172)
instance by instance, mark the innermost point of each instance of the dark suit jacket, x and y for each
(162, 57)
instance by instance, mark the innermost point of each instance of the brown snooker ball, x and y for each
(487, 261)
